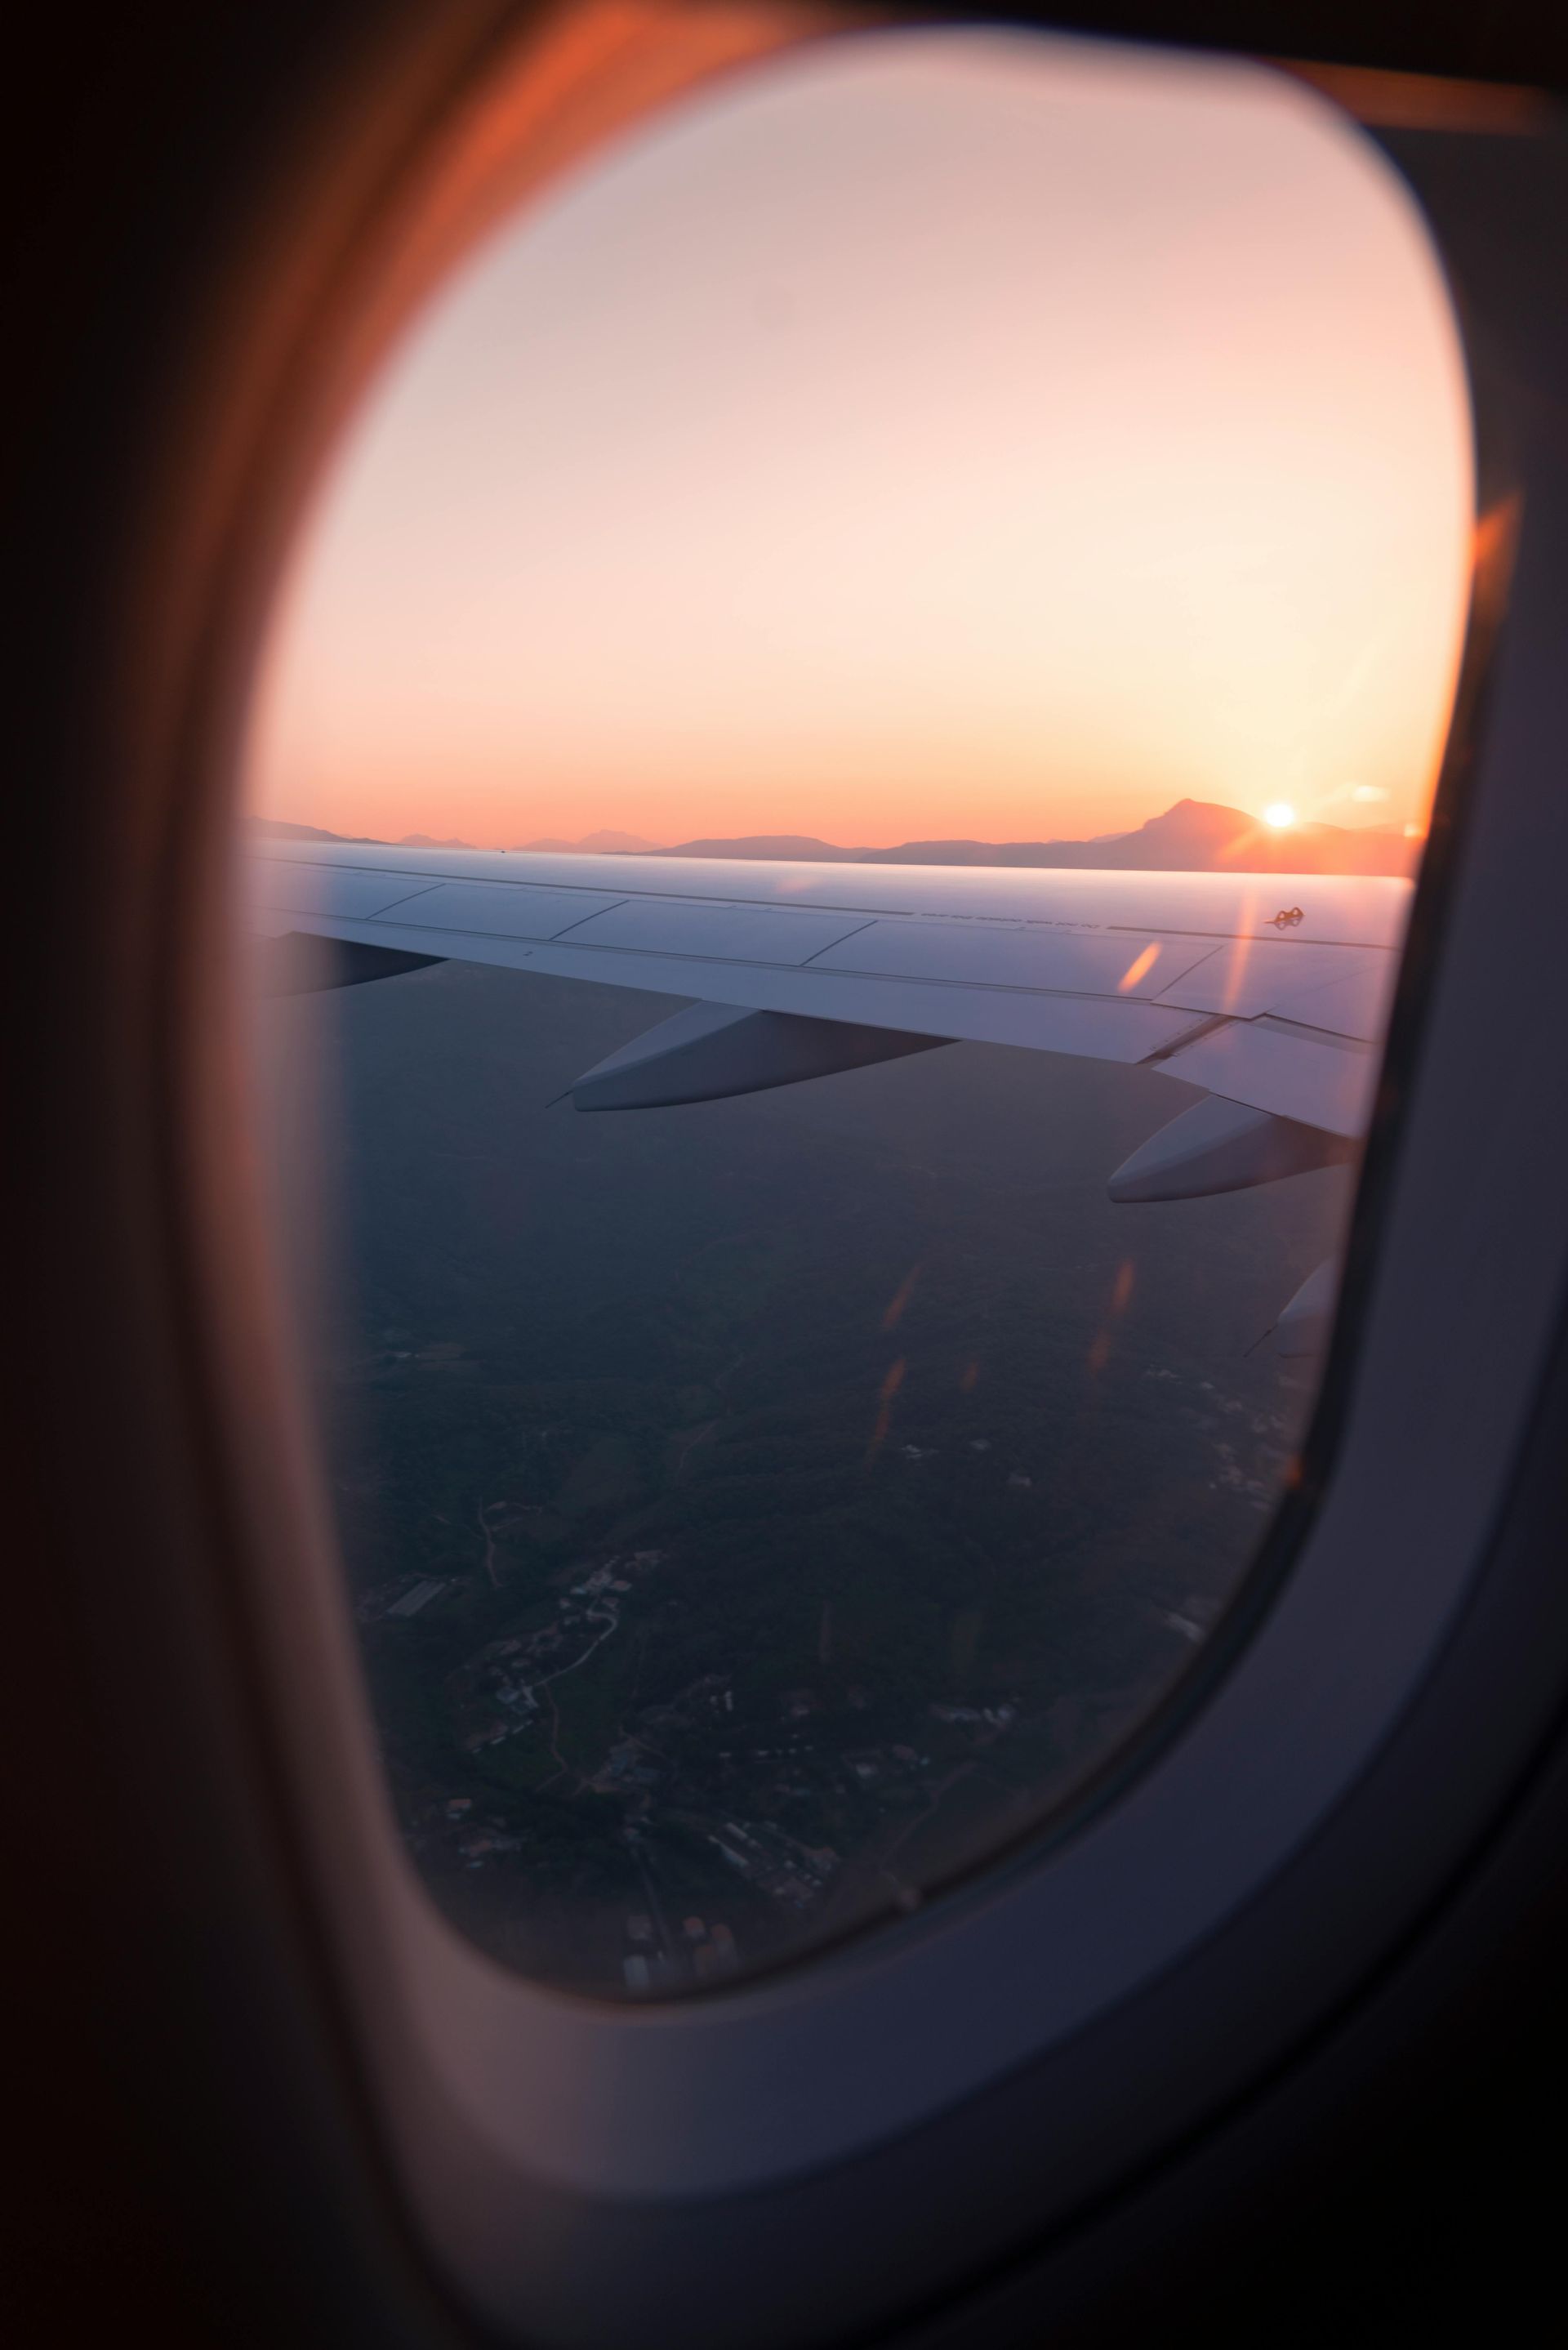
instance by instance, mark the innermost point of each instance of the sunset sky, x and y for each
(932, 434)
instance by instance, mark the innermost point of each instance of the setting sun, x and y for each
(1279, 816)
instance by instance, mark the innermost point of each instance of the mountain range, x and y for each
(1192, 837)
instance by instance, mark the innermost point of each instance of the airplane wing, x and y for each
(1267, 991)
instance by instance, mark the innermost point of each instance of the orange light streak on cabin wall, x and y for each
(949, 434)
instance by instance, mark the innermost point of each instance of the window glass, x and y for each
(937, 569)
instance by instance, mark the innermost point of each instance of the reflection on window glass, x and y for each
(910, 611)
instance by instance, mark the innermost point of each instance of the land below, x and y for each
(756, 1514)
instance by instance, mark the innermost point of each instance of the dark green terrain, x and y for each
(813, 1486)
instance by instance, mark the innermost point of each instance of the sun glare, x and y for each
(1279, 816)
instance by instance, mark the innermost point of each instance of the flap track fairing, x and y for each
(1224, 1146)
(711, 1050)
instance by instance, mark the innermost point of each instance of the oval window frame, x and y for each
(440, 2093)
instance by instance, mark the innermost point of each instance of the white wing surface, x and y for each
(1267, 991)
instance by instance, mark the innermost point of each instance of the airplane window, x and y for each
(831, 816)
